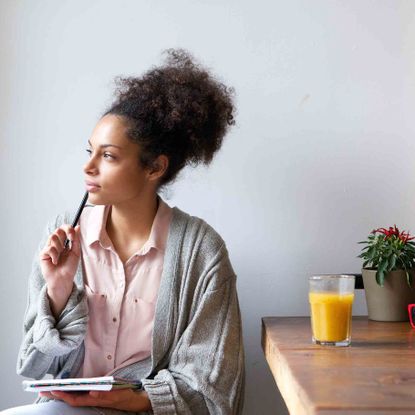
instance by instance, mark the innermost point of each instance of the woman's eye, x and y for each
(106, 155)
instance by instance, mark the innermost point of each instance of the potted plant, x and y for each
(388, 273)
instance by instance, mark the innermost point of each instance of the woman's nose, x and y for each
(89, 167)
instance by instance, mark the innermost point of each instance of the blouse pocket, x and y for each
(146, 288)
(97, 311)
(96, 302)
(140, 320)
(91, 293)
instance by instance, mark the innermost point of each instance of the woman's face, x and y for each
(113, 174)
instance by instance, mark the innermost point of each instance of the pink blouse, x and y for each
(121, 299)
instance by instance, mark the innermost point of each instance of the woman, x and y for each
(146, 291)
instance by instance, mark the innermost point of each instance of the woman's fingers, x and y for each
(51, 253)
(56, 243)
(46, 394)
(68, 233)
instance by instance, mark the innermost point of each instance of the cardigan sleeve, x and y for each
(205, 374)
(46, 340)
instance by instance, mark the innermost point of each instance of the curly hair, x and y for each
(177, 109)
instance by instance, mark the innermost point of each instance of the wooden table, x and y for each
(375, 375)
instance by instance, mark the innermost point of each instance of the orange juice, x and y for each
(331, 316)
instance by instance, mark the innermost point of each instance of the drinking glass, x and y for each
(331, 300)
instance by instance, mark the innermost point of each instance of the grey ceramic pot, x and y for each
(390, 302)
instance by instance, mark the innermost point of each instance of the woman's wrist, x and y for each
(141, 402)
(58, 299)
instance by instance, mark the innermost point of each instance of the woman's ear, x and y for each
(159, 167)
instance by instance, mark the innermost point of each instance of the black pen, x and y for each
(78, 215)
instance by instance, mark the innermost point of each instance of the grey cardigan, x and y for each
(197, 357)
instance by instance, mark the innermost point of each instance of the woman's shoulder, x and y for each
(203, 246)
(195, 231)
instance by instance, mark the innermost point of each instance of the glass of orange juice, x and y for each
(331, 299)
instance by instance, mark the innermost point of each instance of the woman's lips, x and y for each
(90, 187)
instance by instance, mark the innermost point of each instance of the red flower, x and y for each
(394, 231)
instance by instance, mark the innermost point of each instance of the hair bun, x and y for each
(178, 109)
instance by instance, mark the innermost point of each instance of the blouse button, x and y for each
(135, 300)
(109, 357)
(114, 319)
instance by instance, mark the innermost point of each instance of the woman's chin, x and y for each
(95, 199)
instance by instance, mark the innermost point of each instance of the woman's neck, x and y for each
(129, 224)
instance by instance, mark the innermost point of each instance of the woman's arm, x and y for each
(46, 339)
(124, 399)
(206, 372)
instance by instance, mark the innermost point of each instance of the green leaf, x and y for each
(380, 278)
(371, 253)
(365, 263)
(392, 263)
(383, 265)
(409, 278)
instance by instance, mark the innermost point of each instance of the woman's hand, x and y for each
(123, 399)
(59, 264)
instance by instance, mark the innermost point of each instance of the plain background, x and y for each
(322, 152)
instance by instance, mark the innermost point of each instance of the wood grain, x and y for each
(375, 375)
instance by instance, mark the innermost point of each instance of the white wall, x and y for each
(323, 151)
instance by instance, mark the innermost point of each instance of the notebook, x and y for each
(103, 383)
